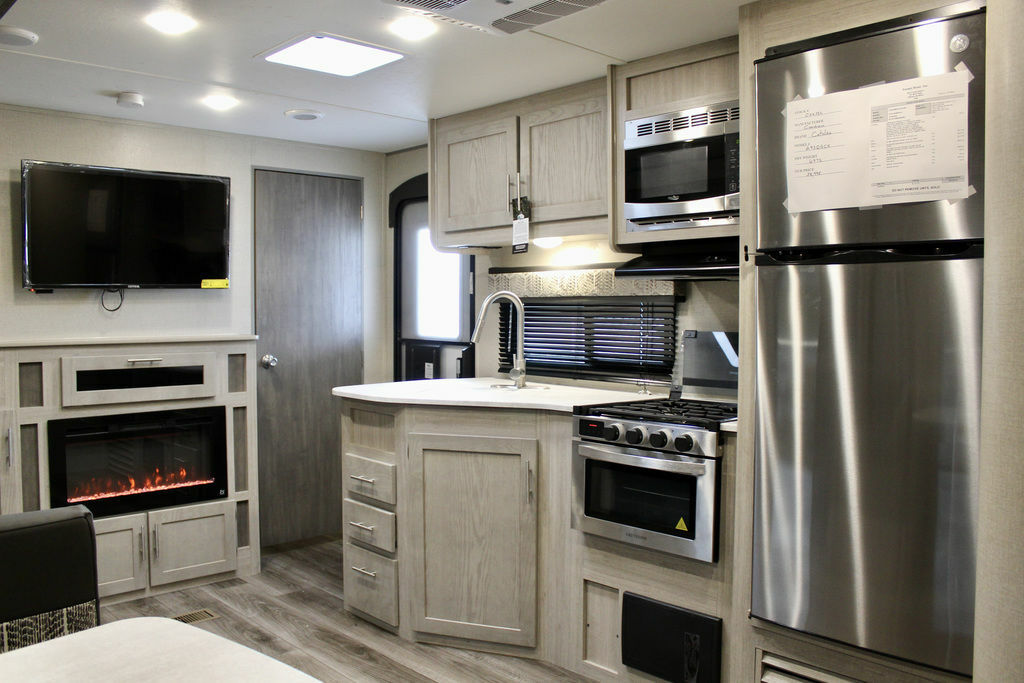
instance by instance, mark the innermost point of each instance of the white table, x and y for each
(143, 649)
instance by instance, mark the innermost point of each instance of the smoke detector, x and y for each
(130, 100)
(495, 16)
(13, 36)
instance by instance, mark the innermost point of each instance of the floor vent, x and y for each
(195, 617)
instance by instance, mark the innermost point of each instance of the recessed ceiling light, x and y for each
(17, 37)
(304, 114)
(220, 102)
(329, 54)
(412, 27)
(171, 22)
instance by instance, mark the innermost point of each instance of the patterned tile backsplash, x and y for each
(590, 282)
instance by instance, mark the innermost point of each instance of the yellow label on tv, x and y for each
(215, 284)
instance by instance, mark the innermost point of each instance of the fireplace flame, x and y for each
(112, 487)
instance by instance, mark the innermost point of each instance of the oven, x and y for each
(682, 169)
(648, 474)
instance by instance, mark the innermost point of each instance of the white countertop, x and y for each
(478, 392)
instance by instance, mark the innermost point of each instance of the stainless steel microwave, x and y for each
(682, 169)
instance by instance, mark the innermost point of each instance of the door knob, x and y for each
(268, 361)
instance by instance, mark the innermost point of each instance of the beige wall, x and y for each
(999, 608)
(77, 314)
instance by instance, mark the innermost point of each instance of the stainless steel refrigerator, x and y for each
(870, 196)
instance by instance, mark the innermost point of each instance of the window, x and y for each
(620, 337)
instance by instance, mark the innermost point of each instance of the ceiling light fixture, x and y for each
(171, 22)
(333, 55)
(412, 27)
(17, 37)
(220, 102)
(304, 114)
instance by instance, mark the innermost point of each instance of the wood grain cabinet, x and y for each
(475, 546)
(10, 482)
(550, 148)
(164, 546)
(371, 497)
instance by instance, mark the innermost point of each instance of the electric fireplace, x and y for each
(115, 464)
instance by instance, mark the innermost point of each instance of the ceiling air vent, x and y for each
(491, 16)
(541, 14)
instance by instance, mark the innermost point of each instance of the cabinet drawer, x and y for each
(370, 478)
(99, 380)
(369, 525)
(371, 584)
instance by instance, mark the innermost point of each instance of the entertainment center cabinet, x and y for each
(86, 421)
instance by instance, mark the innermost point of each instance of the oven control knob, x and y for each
(612, 432)
(635, 435)
(684, 442)
(659, 439)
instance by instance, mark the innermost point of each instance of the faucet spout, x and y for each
(518, 371)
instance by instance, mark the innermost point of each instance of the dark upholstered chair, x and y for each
(48, 575)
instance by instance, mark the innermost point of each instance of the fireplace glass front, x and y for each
(114, 464)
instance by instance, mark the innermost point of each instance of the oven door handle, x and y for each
(594, 453)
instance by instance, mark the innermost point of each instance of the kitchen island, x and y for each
(457, 525)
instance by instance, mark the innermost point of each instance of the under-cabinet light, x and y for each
(329, 54)
(220, 102)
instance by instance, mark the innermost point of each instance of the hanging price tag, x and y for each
(520, 235)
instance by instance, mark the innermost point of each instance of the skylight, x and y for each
(333, 55)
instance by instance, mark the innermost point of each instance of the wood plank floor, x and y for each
(293, 611)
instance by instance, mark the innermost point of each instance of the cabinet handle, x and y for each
(133, 361)
(367, 572)
(156, 545)
(10, 447)
(519, 196)
(364, 527)
(359, 477)
(508, 191)
(141, 556)
(529, 482)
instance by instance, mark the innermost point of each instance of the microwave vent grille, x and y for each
(684, 121)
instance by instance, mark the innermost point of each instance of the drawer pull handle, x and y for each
(364, 527)
(359, 477)
(133, 361)
(367, 572)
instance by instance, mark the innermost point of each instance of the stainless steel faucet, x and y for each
(518, 371)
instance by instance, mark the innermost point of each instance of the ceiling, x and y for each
(90, 50)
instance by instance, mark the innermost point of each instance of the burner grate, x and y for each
(704, 414)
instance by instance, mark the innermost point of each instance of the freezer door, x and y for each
(894, 56)
(867, 431)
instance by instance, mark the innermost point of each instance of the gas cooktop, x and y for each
(676, 411)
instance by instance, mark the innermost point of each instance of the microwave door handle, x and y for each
(605, 455)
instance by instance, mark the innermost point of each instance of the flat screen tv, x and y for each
(91, 226)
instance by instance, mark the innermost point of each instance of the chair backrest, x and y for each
(48, 574)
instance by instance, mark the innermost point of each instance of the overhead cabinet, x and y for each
(548, 151)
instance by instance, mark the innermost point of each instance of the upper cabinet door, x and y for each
(563, 155)
(476, 165)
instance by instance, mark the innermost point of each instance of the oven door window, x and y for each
(659, 501)
(678, 171)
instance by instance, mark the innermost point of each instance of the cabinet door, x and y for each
(564, 160)
(474, 544)
(475, 165)
(121, 554)
(192, 541)
(10, 469)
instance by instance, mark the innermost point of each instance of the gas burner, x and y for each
(669, 426)
(677, 411)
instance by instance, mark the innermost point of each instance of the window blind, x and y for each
(621, 337)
